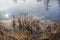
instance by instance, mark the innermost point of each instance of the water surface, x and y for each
(49, 9)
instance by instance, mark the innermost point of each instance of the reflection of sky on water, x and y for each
(47, 8)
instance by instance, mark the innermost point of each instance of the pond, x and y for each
(49, 9)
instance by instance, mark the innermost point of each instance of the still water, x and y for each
(49, 9)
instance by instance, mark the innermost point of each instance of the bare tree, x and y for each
(0, 17)
(19, 22)
(14, 21)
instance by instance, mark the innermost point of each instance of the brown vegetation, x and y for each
(31, 29)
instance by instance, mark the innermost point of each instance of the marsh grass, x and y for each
(31, 29)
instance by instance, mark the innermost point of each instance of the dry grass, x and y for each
(31, 29)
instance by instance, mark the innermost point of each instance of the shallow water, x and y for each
(49, 9)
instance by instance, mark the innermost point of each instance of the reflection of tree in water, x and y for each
(39, 0)
(24, 0)
(58, 7)
(46, 3)
(58, 2)
(15, 1)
